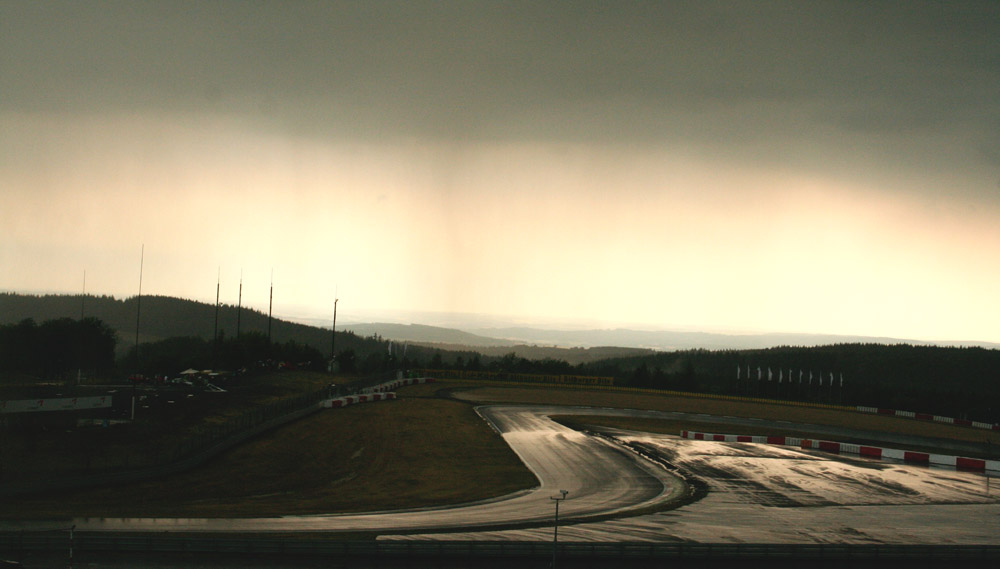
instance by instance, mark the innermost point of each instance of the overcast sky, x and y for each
(823, 167)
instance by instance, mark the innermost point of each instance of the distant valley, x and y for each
(166, 317)
(648, 340)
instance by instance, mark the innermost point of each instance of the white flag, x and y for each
(781, 373)
(810, 377)
(769, 374)
(820, 374)
(758, 373)
(831, 378)
(800, 376)
(841, 379)
(737, 373)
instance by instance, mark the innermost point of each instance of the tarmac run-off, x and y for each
(757, 493)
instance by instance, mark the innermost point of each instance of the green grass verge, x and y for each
(720, 407)
(166, 418)
(418, 451)
(396, 454)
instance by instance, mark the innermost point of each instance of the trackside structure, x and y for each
(927, 417)
(380, 392)
(964, 463)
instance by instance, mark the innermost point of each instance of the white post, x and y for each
(555, 532)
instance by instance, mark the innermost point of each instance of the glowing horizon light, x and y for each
(563, 170)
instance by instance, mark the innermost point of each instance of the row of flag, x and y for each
(791, 378)
(397, 347)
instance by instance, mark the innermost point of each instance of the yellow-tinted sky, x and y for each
(760, 166)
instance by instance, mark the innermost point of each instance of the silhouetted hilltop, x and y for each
(951, 381)
(165, 317)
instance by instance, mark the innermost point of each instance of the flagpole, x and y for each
(738, 390)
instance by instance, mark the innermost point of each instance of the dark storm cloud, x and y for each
(720, 74)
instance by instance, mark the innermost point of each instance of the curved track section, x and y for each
(602, 479)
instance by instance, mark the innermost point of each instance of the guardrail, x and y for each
(834, 447)
(928, 417)
(14, 543)
(187, 454)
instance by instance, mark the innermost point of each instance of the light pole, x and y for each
(555, 532)
(333, 334)
(73, 527)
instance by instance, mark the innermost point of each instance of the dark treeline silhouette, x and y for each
(956, 382)
(180, 322)
(250, 351)
(161, 317)
(57, 349)
(176, 334)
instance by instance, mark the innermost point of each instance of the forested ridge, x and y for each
(176, 333)
(958, 382)
(160, 317)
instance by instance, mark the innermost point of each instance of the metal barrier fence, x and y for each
(192, 451)
(14, 543)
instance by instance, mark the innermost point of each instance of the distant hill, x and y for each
(950, 381)
(165, 317)
(572, 356)
(675, 340)
(426, 334)
(524, 340)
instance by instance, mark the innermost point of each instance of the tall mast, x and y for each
(239, 305)
(83, 298)
(138, 306)
(270, 305)
(333, 331)
(215, 345)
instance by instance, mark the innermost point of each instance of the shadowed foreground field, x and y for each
(417, 451)
(395, 454)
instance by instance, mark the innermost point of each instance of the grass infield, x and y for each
(722, 407)
(406, 453)
(417, 451)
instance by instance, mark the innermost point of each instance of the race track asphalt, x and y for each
(756, 493)
(603, 479)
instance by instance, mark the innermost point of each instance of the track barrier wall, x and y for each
(963, 463)
(14, 544)
(496, 379)
(927, 417)
(379, 392)
(185, 455)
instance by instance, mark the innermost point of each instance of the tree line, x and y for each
(57, 349)
(957, 382)
(954, 382)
